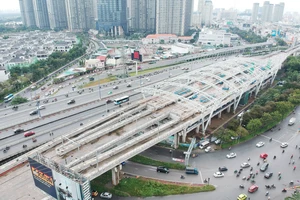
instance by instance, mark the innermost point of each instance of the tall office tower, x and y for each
(27, 13)
(141, 15)
(255, 9)
(80, 15)
(207, 13)
(173, 16)
(267, 12)
(111, 15)
(278, 12)
(57, 14)
(41, 14)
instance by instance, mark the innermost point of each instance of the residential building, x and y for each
(255, 9)
(57, 14)
(230, 14)
(141, 15)
(207, 13)
(27, 13)
(41, 14)
(278, 12)
(79, 14)
(94, 63)
(267, 12)
(111, 17)
(62, 46)
(196, 19)
(173, 16)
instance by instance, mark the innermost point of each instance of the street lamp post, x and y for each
(99, 92)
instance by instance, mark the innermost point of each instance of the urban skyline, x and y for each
(291, 5)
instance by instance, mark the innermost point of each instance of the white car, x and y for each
(231, 155)
(245, 165)
(106, 195)
(260, 144)
(42, 107)
(208, 149)
(284, 144)
(218, 174)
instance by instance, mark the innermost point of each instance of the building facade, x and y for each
(27, 13)
(41, 14)
(207, 13)
(57, 14)
(278, 12)
(111, 17)
(267, 12)
(141, 15)
(80, 15)
(173, 16)
(255, 9)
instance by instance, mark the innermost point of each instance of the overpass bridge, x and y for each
(176, 106)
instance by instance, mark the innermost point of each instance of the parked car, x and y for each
(29, 133)
(253, 188)
(231, 155)
(222, 169)
(18, 130)
(208, 149)
(42, 107)
(106, 195)
(71, 101)
(162, 169)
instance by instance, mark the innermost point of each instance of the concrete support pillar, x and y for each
(176, 140)
(198, 128)
(115, 175)
(228, 109)
(183, 137)
(220, 115)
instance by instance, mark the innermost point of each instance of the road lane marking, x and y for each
(201, 176)
(272, 138)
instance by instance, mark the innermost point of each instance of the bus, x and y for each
(8, 98)
(121, 100)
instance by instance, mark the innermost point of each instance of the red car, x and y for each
(264, 155)
(29, 133)
(253, 188)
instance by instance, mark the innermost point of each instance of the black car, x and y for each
(34, 112)
(71, 101)
(162, 169)
(19, 130)
(222, 169)
(268, 175)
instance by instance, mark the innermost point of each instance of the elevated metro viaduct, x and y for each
(175, 107)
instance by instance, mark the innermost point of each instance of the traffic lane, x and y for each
(150, 171)
(64, 127)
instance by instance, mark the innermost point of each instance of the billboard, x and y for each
(59, 186)
(136, 56)
(43, 177)
(66, 188)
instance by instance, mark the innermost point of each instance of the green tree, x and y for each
(283, 107)
(18, 100)
(266, 119)
(192, 41)
(233, 124)
(294, 97)
(276, 116)
(295, 196)
(242, 132)
(254, 125)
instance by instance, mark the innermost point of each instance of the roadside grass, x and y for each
(250, 136)
(148, 161)
(142, 187)
(101, 81)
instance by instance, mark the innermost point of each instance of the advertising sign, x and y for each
(136, 56)
(43, 177)
(66, 188)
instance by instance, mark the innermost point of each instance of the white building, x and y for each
(94, 63)
(214, 38)
(207, 13)
(160, 39)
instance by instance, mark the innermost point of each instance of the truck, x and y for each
(191, 170)
(292, 121)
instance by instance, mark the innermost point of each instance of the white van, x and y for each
(292, 121)
(204, 144)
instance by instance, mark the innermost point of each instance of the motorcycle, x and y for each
(242, 186)
(273, 186)
(268, 186)
(237, 175)
(284, 190)
(244, 178)
(291, 182)
(182, 177)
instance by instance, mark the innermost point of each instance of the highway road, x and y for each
(228, 187)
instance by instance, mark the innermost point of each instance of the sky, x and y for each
(290, 5)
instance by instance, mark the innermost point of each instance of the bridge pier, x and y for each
(220, 115)
(176, 140)
(183, 137)
(115, 174)
(228, 109)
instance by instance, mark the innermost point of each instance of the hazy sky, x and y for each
(290, 5)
